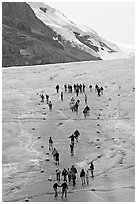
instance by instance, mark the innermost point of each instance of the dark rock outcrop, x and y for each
(28, 41)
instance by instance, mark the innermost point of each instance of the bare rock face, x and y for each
(28, 41)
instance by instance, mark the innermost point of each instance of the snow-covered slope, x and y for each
(79, 35)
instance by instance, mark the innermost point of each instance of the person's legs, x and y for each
(82, 180)
(73, 181)
(56, 193)
(65, 192)
(92, 173)
(87, 180)
(69, 178)
(62, 193)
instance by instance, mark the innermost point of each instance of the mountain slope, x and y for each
(34, 33)
(27, 40)
(78, 35)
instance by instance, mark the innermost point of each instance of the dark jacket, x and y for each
(57, 156)
(73, 169)
(55, 185)
(82, 173)
(64, 172)
(92, 166)
(72, 137)
(64, 186)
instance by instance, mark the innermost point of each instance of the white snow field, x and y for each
(66, 28)
(106, 135)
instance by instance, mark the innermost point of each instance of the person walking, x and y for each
(57, 88)
(47, 98)
(57, 158)
(69, 175)
(76, 134)
(61, 95)
(82, 176)
(55, 186)
(85, 112)
(54, 152)
(73, 169)
(65, 86)
(72, 137)
(101, 89)
(58, 172)
(71, 104)
(83, 87)
(73, 177)
(77, 91)
(50, 105)
(64, 174)
(88, 109)
(64, 186)
(74, 172)
(86, 99)
(90, 87)
(72, 149)
(87, 177)
(92, 169)
(42, 97)
(50, 144)
(76, 107)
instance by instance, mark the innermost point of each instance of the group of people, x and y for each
(99, 90)
(54, 151)
(76, 88)
(69, 175)
(74, 105)
(43, 97)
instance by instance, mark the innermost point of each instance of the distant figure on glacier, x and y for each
(80, 88)
(72, 138)
(58, 173)
(50, 105)
(54, 152)
(72, 99)
(47, 98)
(86, 111)
(71, 104)
(61, 95)
(50, 144)
(57, 88)
(90, 87)
(74, 86)
(101, 89)
(77, 91)
(82, 176)
(96, 87)
(72, 149)
(76, 134)
(83, 87)
(86, 98)
(56, 158)
(87, 177)
(65, 86)
(42, 97)
(76, 107)
(92, 169)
